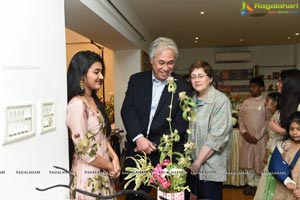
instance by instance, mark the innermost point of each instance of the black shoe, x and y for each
(253, 190)
(247, 190)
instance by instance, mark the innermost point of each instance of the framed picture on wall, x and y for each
(145, 61)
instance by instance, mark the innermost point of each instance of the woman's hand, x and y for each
(275, 126)
(204, 154)
(195, 167)
(116, 165)
(291, 186)
(114, 172)
(297, 193)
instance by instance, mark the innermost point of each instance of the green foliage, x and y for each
(141, 174)
(110, 109)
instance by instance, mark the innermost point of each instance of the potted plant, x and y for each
(169, 175)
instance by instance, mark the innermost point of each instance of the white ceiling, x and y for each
(221, 25)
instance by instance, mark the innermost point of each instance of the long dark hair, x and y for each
(78, 67)
(290, 95)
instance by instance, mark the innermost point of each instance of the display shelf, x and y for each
(270, 74)
(233, 80)
(246, 79)
(276, 66)
(271, 71)
(233, 74)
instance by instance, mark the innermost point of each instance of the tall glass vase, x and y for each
(170, 196)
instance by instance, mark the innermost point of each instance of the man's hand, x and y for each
(254, 140)
(143, 144)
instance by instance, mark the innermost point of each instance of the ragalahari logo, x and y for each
(246, 8)
(271, 8)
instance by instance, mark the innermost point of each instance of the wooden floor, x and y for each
(228, 194)
(235, 194)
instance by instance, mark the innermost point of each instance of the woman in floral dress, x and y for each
(95, 163)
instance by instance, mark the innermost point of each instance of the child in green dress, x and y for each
(267, 182)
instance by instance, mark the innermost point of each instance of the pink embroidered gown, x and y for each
(88, 134)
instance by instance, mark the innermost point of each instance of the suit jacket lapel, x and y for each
(148, 95)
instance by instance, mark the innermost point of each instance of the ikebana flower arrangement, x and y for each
(109, 108)
(168, 175)
(236, 101)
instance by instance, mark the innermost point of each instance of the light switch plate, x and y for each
(47, 115)
(19, 122)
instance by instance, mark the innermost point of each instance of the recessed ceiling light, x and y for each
(196, 41)
(297, 34)
(241, 40)
(196, 38)
(289, 38)
(202, 12)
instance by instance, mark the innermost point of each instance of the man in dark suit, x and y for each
(146, 105)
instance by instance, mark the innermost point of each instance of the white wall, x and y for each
(297, 52)
(260, 55)
(129, 11)
(32, 68)
(273, 55)
(126, 64)
(104, 10)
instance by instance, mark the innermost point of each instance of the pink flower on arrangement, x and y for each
(152, 180)
(158, 175)
(165, 162)
(165, 184)
(157, 171)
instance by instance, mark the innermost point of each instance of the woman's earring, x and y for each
(82, 89)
